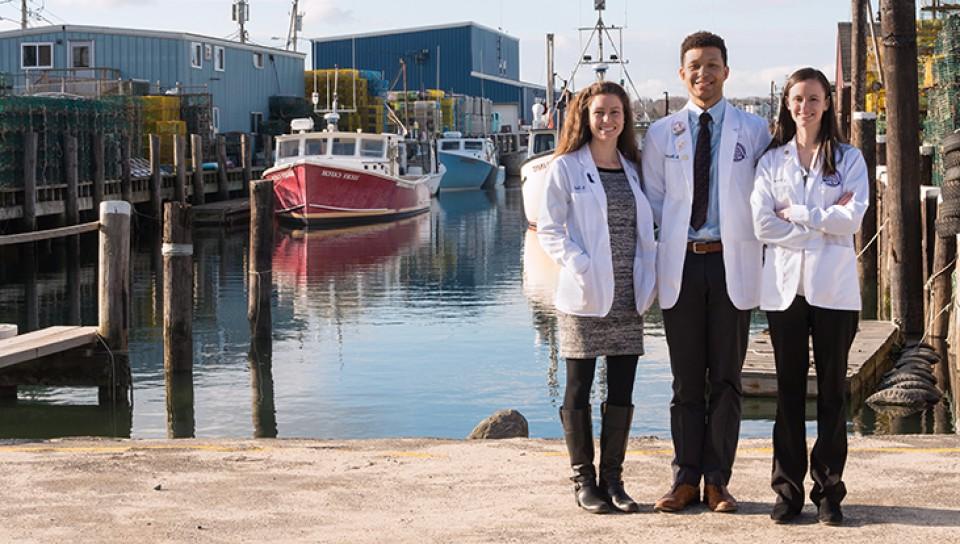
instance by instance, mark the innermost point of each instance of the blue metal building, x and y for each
(239, 77)
(463, 58)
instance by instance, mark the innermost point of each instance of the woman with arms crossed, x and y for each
(597, 224)
(808, 201)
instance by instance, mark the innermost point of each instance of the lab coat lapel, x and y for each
(591, 176)
(728, 143)
(683, 144)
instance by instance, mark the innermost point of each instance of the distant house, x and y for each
(463, 58)
(240, 78)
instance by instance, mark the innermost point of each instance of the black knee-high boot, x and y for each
(578, 433)
(613, 450)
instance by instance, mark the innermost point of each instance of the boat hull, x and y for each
(464, 173)
(513, 160)
(308, 193)
(533, 184)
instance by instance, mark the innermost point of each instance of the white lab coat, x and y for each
(572, 229)
(816, 245)
(668, 182)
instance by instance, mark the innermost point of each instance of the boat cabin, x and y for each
(377, 152)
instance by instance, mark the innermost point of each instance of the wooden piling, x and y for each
(156, 179)
(261, 381)
(126, 180)
(858, 59)
(30, 181)
(941, 302)
(180, 161)
(261, 256)
(246, 159)
(267, 150)
(28, 269)
(177, 288)
(181, 421)
(223, 190)
(926, 165)
(196, 158)
(113, 278)
(903, 150)
(71, 176)
(74, 298)
(99, 170)
(864, 136)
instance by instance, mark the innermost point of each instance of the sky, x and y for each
(766, 39)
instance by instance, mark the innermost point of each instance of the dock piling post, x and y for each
(113, 289)
(126, 181)
(156, 179)
(261, 258)
(99, 171)
(267, 150)
(900, 74)
(30, 181)
(863, 135)
(180, 159)
(223, 189)
(196, 155)
(246, 158)
(177, 289)
(71, 177)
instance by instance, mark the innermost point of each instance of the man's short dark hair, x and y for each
(702, 39)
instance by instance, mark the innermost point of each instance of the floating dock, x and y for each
(869, 359)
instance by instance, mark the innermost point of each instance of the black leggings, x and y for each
(621, 371)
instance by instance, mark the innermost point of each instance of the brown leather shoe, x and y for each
(681, 496)
(719, 499)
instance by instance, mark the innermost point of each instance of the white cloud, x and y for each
(325, 12)
(105, 3)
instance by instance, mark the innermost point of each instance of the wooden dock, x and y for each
(869, 359)
(223, 213)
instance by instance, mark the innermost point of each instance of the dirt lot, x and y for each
(901, 489)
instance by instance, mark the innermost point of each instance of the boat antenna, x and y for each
(332, 118)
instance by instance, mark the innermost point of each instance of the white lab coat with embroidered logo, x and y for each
(668, 182)
(816, 245)
(572, 229)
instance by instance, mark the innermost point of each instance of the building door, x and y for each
(81, 59)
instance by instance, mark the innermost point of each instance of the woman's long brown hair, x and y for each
(576, 127)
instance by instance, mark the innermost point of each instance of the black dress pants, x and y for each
(707, 338)
(833, 332)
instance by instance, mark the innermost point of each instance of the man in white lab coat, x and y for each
(698, 169)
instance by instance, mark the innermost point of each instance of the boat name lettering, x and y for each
(539, 167)
(332, 174)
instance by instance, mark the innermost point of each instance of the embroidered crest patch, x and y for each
(679, 128)
(832, 180)
(739, 153)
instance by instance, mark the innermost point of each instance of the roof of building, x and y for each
(408, 31)
(186, 36)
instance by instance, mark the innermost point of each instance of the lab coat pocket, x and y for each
(571, 291)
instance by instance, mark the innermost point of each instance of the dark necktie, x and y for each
(701, 174)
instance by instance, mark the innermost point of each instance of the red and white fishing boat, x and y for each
(331, 178)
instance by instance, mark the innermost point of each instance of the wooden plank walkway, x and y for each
(869, 359)
(225, 212)
(48, 341)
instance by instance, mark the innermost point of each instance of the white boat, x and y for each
(420, 158)
(471, 163)
(543, 133)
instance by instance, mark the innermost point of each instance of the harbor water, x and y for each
(420, 327)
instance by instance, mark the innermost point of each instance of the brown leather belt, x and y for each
(702, 248)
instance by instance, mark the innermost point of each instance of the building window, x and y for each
(219, 58)
(196, 55)
(256, 121)
(81, 55)
(216, 120)
(36, 55)
(258, 60)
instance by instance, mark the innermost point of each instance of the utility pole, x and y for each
(666, 103)
(23, 14)
(296, 25)
(899, 32)
(241, 14)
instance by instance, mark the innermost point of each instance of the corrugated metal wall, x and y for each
(460, 50)
(237, 91)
